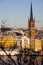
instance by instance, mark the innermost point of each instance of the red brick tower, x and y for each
(31, 28)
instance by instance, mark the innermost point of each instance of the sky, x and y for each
(16, 13)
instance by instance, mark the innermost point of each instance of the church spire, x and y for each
(31, 13)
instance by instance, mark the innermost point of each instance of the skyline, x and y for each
(18, 12)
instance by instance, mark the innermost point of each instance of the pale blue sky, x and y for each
(18, 12)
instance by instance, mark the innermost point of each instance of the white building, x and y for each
(25, 42)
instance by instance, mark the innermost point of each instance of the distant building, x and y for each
(31, 29)
(7, 42)
(38, 46)
(25, 41)
(35, 36)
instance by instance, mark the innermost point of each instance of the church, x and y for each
(34, 44)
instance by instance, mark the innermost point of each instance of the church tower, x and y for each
(31, 29)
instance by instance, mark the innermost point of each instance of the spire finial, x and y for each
(31, 13)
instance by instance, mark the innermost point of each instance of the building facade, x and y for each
(31, 29)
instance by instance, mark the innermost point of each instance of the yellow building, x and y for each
(7, 41)
(38, 45)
